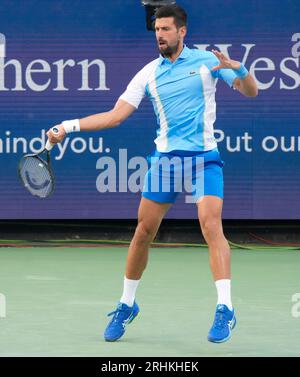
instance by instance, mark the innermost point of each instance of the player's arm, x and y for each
(246, 86)
(245, 82)
(121, 111)
(124, 107)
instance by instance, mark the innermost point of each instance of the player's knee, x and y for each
(211, 227)
(145, 232)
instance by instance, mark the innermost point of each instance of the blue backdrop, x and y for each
(67, 59)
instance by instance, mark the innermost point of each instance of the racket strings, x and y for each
(36, 176)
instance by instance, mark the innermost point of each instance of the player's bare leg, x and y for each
(210, 218)
(150, 215)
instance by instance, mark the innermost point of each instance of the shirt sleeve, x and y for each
(135, 90)
(225, 74)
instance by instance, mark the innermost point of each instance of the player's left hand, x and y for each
(225, 62)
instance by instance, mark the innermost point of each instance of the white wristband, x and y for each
(71, 125)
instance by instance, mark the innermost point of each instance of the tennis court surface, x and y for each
(57, 300)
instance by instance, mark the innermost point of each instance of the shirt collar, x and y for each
(184, 54)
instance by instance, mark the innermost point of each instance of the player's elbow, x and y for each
(251, 92)
(251, 89)
(254, 92)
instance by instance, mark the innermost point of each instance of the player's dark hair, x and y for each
(175, 11)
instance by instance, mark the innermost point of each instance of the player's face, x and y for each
(168, 36)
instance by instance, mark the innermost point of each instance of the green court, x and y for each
(57, 300)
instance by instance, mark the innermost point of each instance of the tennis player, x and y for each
(181, 84)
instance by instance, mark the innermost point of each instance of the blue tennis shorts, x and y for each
(195, 173)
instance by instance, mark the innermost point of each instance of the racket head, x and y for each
(36, 175)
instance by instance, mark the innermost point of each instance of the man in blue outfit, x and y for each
(181, 84)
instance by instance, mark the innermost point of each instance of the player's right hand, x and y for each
(57, 137)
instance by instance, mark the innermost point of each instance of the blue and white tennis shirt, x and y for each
(183, 97)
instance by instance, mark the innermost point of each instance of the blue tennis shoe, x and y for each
(224, 322)
(122, 316)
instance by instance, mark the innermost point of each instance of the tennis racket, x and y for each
(36, 173)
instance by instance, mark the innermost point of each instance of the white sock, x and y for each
(224, 292)
(129, 290)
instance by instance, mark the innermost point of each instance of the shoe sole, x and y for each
(128, 323)
(225, 339)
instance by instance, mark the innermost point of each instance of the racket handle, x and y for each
(48, 145)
